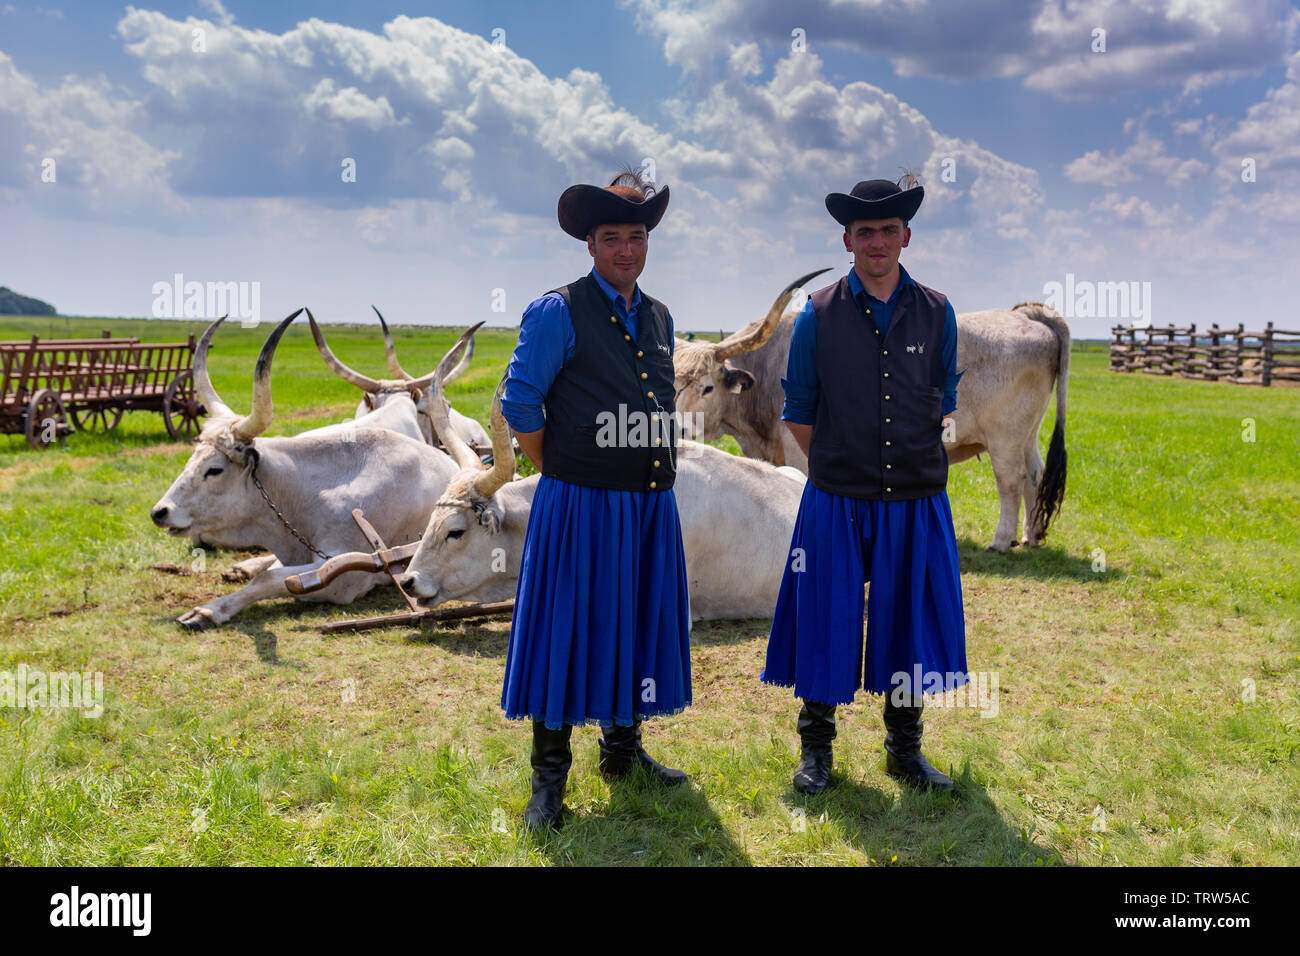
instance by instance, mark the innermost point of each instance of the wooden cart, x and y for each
(50, 388)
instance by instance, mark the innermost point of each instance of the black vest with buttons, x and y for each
(589, 439)
(877, 431)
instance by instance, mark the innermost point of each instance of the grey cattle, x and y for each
(401, 404)
(314, 481)
(1012, 359)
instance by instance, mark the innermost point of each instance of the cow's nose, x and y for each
(159, 515)
(407, 581)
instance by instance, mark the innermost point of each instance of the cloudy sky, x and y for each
(1059, 142)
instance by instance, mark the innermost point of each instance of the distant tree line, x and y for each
(11, 303)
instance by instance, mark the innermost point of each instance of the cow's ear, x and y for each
(737, 379)
(369, 400)
(490, 517)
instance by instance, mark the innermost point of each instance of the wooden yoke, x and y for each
(384, 558)
(393, 561)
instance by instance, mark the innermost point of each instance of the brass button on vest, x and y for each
(605, 374)
(846, 458)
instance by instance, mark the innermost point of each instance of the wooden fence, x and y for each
(1213, 354)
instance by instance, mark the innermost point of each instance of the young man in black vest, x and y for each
(871, 375)
(601, 628)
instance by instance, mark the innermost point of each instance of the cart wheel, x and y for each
(181, 408)
(96, 418)
(46, 420)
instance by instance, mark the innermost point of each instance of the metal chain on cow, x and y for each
(251, 459)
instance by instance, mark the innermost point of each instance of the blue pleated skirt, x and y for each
(602, 619)
(915, 619)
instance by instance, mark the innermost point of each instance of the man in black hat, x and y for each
(601, 625)
(871, 375)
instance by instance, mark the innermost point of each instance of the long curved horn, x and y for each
(760, 330)
(449, 361)
(202, 381)
(440, 416)
(390, 350)
(363, 382)
(503, 451)
(246, 429)
(463, 365)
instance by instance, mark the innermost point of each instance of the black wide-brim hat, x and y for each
(874, 199)
(584, 207)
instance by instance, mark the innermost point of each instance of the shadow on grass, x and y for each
(726, 633)
(1042, 562)
(264, 641)
(645, 824)
(250, 624)
(962, 829)
(466, 637)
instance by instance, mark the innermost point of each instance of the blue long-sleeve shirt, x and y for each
(546, 342)
(800, 383)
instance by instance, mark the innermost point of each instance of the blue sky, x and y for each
(223, 163)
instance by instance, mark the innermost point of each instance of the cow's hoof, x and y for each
(996, 550)
(197, 619)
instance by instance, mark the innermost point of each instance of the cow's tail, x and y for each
(1051, 490)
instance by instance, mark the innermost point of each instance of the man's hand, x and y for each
(802, 434)
(530, 443)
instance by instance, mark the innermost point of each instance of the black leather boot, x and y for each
(816, 731)
(551, 759)
(621, 753)
(903, 757)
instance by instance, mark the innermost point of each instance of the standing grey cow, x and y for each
(400, 404)
(737, 516)
(294, 495)
(714, 397)
(1012, 359)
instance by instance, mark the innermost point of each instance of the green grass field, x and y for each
(1148, 660)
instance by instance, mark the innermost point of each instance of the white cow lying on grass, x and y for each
(294, 495)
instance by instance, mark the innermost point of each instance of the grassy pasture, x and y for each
(1148, 660)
